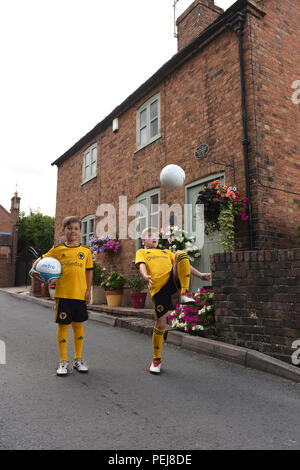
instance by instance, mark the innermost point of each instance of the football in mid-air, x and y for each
(172, 176)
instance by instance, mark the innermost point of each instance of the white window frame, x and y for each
(86, 164)
(147, 195)
(146, 107)
(85, 235)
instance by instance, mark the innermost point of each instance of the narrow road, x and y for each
(198, 402)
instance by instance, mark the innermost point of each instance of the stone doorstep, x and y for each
(123, 311)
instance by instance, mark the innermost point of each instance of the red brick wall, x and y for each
(7, 269)
(7, 272)
(272, 65)
(198, 16)
(7, 220)
(257, 299)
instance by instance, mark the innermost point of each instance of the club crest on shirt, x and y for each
(81, 255)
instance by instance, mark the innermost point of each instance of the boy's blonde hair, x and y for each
(149, 231)
(71, 219)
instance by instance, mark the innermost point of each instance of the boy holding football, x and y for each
(72, 292)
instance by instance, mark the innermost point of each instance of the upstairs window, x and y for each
(89, 163)
(148, 122)
(87, 228)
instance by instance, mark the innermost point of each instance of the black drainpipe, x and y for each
(237, 23)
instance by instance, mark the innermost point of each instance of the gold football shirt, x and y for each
(159, 264)
(74, 262)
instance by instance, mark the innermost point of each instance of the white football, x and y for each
(49, 269)
(172, 176)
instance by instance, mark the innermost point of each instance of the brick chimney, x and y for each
(195, 19)
(15, 206)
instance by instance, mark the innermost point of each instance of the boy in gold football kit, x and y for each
(72, 292)
(165, 273)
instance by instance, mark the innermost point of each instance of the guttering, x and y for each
(237, 23)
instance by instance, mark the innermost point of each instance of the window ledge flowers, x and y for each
(174, 239)
(192, 318)
(223, 205)
(105, 243)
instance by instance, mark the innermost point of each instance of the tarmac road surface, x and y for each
(198, 402)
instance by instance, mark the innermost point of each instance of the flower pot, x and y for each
(98, 296)
(44, 290)
(114, 298)
(138, 299)
(51, 292)
(35, 287)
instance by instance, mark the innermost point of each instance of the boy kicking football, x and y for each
(165, 273)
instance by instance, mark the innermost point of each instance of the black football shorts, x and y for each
(69, 310)
(162, 300)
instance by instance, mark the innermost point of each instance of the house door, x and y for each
(211, 242)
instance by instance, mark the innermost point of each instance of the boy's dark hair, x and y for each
(71, 220)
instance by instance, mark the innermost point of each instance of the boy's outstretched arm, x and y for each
(205, 276)
(145, 275)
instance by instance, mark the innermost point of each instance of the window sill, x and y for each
(141, 147)
(87, 181)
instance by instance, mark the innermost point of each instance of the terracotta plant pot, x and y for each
(138, 299)
(35, 287)
(114, 298)
(44, 290)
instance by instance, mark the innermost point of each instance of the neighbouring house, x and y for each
(9, 241)
(230, 89)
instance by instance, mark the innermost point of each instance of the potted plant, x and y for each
(193, 318)
(223, 205)
(98, 294)
(174, 239)
(51, 288)
(113, 284)
(44, 289)
(138, 297)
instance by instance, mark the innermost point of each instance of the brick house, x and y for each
(230, 87)
(8, 242)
